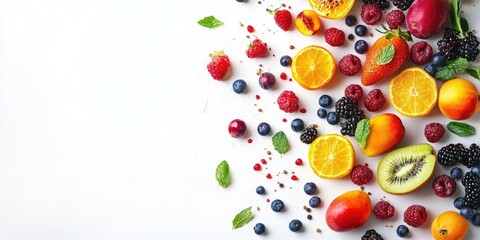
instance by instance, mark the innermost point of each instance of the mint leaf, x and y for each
(362, 131)
(222, 174)
(386, 55)
(453, 68)
(210, 22)
(474, 72)
(461, 129)
(242, 218)
(280, 142)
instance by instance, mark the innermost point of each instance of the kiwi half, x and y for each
(406, 169)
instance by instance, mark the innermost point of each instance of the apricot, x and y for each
(458, 99)
(386, 131)
(449, 225)
(348, 211)
(308, 22)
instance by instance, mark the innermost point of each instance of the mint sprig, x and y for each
(210, 22)
(457, 66)
(242, 218)
(280, 142)
(222, 174)
(362, 131)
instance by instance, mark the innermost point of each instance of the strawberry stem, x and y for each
(395, 33)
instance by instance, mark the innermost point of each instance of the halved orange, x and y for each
(332, 9)
(413, 92)
(313, 67)
(331, 156)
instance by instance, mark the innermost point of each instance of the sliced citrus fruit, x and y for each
(331, 156)
(313, 67)
(413, 92)
(332, 9)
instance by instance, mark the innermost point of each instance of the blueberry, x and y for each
(431, 69)
(285, 61)
(361, 46)
(263, 129)
(259, 228)
(476, 170)
(476, 219)
(297, 125)
(260, 190)
(456, 173)
(439, 59)
(322, 113)
(467, 212)
(277, 205)
(333, 118)
(325, 101)
(360, 30)
(295, 225)
(239, 86)
(459, 202)
(350, 20)
(310, 188)
(402, 231)
(241, 0)
(266, 80)
(314, 202)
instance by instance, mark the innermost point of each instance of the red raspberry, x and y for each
(361, 175)
(354, 92)
(288, 101)
(421, 53)
(335, 37)
(444, 186)
(395, 19)
(374, 100)
(371, 14)
(383, 210)
(257, 49)
(434, 132)
(283, 18)
(415, 215)
(219, 65)
(350, 65)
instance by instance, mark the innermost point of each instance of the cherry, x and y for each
(237, 128)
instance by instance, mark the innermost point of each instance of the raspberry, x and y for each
(374, 100)
(421, 53)
(361, 175)
(354, 92)
(257, 49)
(383, 210)
(444, 186)
(335, 37)
(415, 215)
(395, 19)
(371, 14)
(219, 65)
(288, 101)
(434, 132)
(283, 18)
(350, 65)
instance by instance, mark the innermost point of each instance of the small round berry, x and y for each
(237, 128)
(402, 231)
(250, 29)
(456, 173)
(314, 202)
(361, 46)
(354, 92)
(297, 125)
(383, 210)
(266, 80)
(476, 170)
(260, 190)
(395, 19)
(239, 86)
(476, 219)
(241, 0)
(351, 20)
(325, 101)
(439, 59)
(444, 186)
(374, 100)
(285, 60)
(467, 212)
(257, 167)
(361, 175)
(259, 228)
(295, 225)
(288, 102)
(350, 65)
(431, 69)
(334, 37)
(310, 188)
(459, 203)
(434, 132)
(361, 30)
(351, 37)
(277, 205)
(421, 53)
(322, 113)
(263, 129)
(299, 162)
(415, 215)
(371, 13)
(333, 118)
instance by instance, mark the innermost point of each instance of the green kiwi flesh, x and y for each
(406, 169)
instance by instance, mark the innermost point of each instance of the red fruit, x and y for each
(374, 100)
(395, 19)
(354, 91)
(299, 162)
(219, 65)
(288, 101)
(426, 18)
(444, 186)
(371, 14)
(237, 128)
(434, 132)
(415, 215)
(350, 65)
(383, 210)
(283, 18)
(421, 53)
(335, 37)
(361, 175)
(257, 49)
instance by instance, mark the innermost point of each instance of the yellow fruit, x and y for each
(458, 99)
(449, 225)
(386, 131)
(335, 9)
(313, 67)
(331, 156)
(308, 22)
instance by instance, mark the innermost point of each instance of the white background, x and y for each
(111, 127)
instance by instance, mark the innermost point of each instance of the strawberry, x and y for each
(257, 49)
(219, 65)
(283, 18)
(385, 56)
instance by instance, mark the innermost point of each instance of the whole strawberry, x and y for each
(283, 18)
(257, 49)
(219, 65)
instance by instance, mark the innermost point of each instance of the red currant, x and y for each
(237, 128)
(257, 167)
(299, 162)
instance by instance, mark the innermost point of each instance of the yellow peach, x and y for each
(458, 99)
(386, 131)
(308, 22)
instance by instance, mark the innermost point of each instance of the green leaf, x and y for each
(455, 15)
(210, 22)
(464, 25)
(474, 71)
(386, 55)
(461, 129)
(280, 142)
(453, 68)
(362, 131)
(242, 218)
(222, 174)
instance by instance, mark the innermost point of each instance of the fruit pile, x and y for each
(412, 93)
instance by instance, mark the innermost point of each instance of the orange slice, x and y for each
(331, 156)
(335, 9)
(413, 92)
(313, 67)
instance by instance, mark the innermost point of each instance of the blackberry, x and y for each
(346, 107)
(309, 134)
(402, 4)
(472, 198)
(372, 235)
(449, 44)
(468, 47)
(470, 181)
(451, 154)
(472, 157)
(383, 4)
(349, 127)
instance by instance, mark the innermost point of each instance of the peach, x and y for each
(458, 99)
(386, 131)
(348, 211)
(308, 22)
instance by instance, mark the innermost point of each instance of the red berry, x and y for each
(371, 14)
(219, 65)
(250, 29)
(444, 186)
(263, 161)
(354, 92)
(434, 132)
(237, 128)
(294, 178)
(415, 215)
(361, 175)
(269, 176)
(350, 65)
(257, 167)
(299, 162)
(335, 37)
(383, 210)
(283, 76)
(288, 101)
(421, 53)
(283, 18)
(291, 47)
(257, 49)
(395, 19)
(374, 100)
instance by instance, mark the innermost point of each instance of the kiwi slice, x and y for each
(406, 169)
